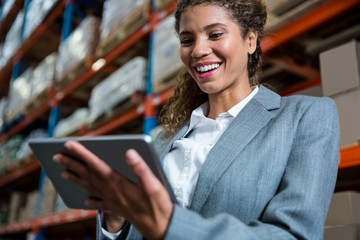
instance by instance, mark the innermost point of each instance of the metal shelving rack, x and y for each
(350, 156)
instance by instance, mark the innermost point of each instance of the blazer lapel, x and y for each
(255, 115)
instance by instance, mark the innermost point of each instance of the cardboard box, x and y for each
(344, 209)
(340, 68)
(348, 104)
(343, 232)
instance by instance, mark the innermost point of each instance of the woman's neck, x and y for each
(223, 102)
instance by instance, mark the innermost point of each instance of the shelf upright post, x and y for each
(17, 69)
(68, 19)
(151, 119)
(2, 3)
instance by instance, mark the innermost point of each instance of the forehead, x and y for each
(204, 14)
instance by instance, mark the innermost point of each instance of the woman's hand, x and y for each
(147, 204)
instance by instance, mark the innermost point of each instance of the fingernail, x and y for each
(131, 156)
(68, 144)
(56, 158)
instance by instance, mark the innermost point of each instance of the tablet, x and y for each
(110, 149)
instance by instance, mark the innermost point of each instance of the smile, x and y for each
(207, 68)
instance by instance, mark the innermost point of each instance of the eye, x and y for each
(215, 35)
(186, 41)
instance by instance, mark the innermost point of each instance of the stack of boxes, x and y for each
(6, 6)
(340, 73)
(13, 40)
(119, 20)
(72, 61)
(117, 88)
(36, 13)
(343, 220)
(42, 79)
(166, 54)
(19, 95)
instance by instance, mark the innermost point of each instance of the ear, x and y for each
(251, 41)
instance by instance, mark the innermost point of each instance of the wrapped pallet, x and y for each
(48, 198)
(37, 11)
(19, 95)
(77, 50)
(71, 124)
(17, 202)
(43, 76)
(166, 53)
(28, 210)
(24, 150)
(117, 88)
(7, 5)
(13, 39)
(8, 150)
(119, 20)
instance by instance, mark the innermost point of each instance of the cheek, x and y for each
(184, 55)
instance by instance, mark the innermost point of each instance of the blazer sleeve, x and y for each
(299, 207)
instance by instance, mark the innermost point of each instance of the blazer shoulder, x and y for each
(302, 101)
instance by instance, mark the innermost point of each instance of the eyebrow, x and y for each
(206, 28)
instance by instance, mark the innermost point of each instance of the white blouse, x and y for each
(188, 154)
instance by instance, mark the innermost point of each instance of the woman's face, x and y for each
(213, 49)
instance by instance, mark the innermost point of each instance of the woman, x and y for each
(244, 162)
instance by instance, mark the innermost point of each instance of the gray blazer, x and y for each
(271, 175)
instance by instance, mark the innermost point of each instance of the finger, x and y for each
(95, 203)
(70, 164)
(76, 172)
(93, 161)
(146, 177)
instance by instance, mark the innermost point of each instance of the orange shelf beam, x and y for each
(123, 119)
(26, 122)
(19, 172)
(303, 24)
(350, 157)
(316, 81)
(57, 219)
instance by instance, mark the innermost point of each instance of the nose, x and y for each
(200, 49)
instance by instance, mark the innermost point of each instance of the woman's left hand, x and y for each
(147, 204)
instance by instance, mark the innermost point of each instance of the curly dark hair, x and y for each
(251, 16)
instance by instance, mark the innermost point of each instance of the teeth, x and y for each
(207, 67)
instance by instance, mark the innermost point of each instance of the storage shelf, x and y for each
(7, 21)
(86, 76)
(69, 216)
(5, 72)
(19, 172)
(309, 21)
(349, 157)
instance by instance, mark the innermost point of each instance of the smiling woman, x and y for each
(243, 162)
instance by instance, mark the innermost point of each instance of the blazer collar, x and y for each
(255, 115)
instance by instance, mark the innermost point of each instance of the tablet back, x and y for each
(111, 149)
